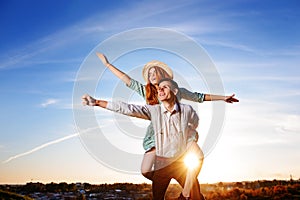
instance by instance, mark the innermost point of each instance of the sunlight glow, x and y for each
(191, 161)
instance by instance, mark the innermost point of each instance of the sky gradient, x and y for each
(255, 46)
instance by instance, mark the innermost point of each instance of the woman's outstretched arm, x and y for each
(118, 73)
(200, 97)
(227, 99)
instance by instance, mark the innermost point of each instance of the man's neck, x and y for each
(169, 105)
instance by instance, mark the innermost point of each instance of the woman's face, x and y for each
(152, 76)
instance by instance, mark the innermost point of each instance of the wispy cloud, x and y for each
(28, 54)
(289, 125)
(292, 51)
(40, 147)
(295, 79)
(269, 127)
(89, 29)
(48, 144)
(227, 44)
(49, 102)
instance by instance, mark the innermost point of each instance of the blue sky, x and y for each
(255, 46)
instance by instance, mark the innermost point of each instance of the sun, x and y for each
(191, 160)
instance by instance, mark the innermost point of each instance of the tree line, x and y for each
(256, 190)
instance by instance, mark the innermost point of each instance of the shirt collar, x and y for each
(164, 110)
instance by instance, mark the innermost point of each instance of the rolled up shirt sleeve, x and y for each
(191, 96)
(129, 109)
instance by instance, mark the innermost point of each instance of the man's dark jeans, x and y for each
(165, 170)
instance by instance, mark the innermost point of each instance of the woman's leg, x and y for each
(147, 164)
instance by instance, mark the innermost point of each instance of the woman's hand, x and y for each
(230, 99)
(103, 59)
(118, 73)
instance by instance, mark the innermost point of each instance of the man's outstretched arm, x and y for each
(87, 100)
(119, 107)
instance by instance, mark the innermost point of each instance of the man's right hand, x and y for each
(88, 100)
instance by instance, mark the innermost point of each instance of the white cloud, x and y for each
(246, 77)
(290, 124)
(29, 54)
(227, 44)
(47, 144)
(90, 29)
(49, 102)
(40, 147)
(256, 123)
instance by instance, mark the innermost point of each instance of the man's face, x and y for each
(164, 91)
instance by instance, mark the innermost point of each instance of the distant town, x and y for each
(246, 190)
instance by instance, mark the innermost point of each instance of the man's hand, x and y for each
(88, 100)
(230, 99)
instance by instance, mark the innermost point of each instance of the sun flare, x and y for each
(191, 161)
